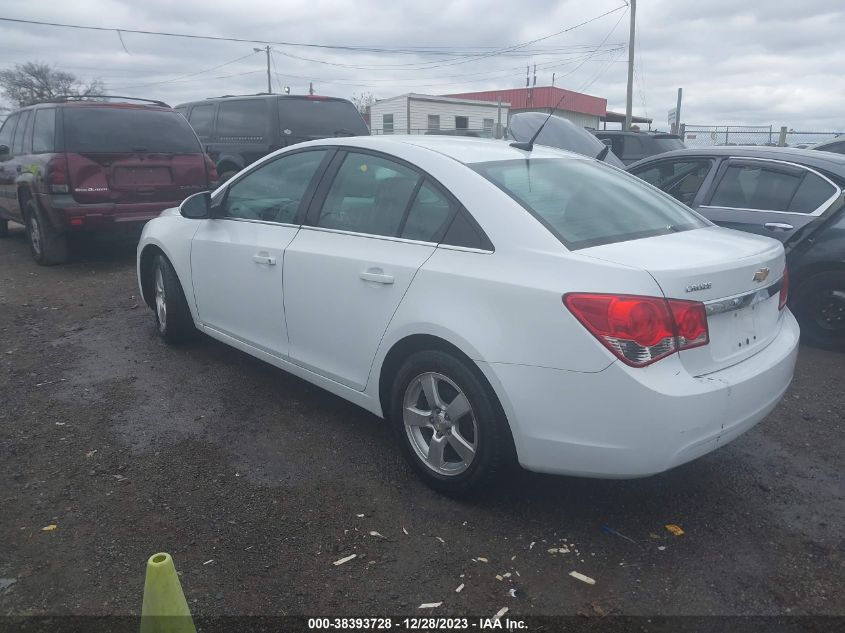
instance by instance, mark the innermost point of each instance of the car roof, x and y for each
(833, 141)
(653, 133)
(261, 95)
(463, 149)
(810, 158)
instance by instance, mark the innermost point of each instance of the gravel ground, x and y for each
(256, 482)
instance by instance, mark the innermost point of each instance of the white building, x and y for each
(417, 114)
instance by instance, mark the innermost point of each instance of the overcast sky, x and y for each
(754, 62)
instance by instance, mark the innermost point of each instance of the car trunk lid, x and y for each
(736, 275)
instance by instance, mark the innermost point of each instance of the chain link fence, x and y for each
(776, 136)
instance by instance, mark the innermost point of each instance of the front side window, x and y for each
(585, 203)
(274, 191)
(17, 148)
(767, 188)
(369, 195)
(43, 136)
(680, 179)
(202, 119)
(387, 123)
(245, 119)
(8, 130)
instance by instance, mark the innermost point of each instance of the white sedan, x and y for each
(493, 303)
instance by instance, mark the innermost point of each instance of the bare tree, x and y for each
(363, 101)
(34, 82)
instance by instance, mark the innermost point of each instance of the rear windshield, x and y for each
(320, 118)
(127, 130)
(585, 203)
(668, 144)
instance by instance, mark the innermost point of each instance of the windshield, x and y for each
(584, 203)
(668, 144)
(320, 118)
(128, 130)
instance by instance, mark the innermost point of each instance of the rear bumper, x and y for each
(624, 422)
(67, 215)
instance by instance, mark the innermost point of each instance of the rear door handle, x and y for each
(264, 258)
(376, 275)
(778, 226)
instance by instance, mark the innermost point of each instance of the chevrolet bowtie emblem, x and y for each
(761, 275)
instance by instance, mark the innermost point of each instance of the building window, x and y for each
(433, 121)
(488, 126)
(387, 123)
(461, 123)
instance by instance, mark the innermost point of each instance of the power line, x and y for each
(299, 44)
(194, 74)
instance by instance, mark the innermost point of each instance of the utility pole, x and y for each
(629, 101)
(678, 112)
(267, 50)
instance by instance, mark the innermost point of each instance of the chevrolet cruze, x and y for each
(492, 302)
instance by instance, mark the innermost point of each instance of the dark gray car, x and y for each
(836, 145)
(631, 146)
(793, 195)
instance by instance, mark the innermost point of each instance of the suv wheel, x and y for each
(448, 423)
(48, 246)
(820, 308)
(173, 317)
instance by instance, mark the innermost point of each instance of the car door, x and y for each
(680, 178)
(767, 197)
(351, 263)
(237, 257)
(8, 193)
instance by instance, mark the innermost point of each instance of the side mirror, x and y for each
(197, 206)
(4, 150)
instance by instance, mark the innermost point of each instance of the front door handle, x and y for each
(264, 258)
(376, 275)
(778, 226)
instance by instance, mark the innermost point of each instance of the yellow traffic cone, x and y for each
(164, 609)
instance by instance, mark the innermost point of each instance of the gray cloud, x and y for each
(777, 62)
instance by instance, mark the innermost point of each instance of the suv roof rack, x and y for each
(254, 94)
(65, 98)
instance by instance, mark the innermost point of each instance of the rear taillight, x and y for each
(783, 297)
(211, 170)
(56, 175)
(640, 330)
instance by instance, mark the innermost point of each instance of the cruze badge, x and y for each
(761, 275)
(696, 287)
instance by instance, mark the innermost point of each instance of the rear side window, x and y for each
(770, 189)
(585, 203)
(320, 118)
(428, 215)
(244, 120)
(369, 195)
(812, 193)
(19, 132)
(8, 130)
(44, 133)
(127, 130)
(202, 119)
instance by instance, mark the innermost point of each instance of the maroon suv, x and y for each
(75, 166)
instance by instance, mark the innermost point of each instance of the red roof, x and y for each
(544, 97)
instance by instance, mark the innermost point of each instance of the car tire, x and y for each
(226, 175)
(4, 228)
(173, 319)
(418, 425)
(819, 305)
(47, 245)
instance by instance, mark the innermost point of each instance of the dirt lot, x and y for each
(256, 482)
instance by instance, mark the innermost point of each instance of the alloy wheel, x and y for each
(830, 310)
(440, 424)
(161, 300)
